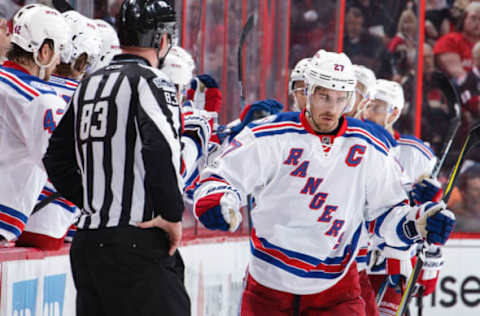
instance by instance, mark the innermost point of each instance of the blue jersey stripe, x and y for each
(17, 88)
(14, 213)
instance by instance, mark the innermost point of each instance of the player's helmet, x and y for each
(141, 23)
(332, 71)
(110, 43)
(36, 24)
(390, 92)
(298, 73)
(85, 38)
(364, 76)
(179, 66)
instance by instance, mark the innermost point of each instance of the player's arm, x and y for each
(402, 225)
(60, 161)
(222, 187)
(158, 120)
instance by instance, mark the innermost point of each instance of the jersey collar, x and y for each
(125, 58)
(396, 134)
(14, 65)
(308, 128)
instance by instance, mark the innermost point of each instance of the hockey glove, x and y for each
(219, 211)
(425, 191)
(432, 263)
(199, 129)
(430, 221)
(205, 94)
(399, 264)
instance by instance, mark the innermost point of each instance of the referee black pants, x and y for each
(127, 271)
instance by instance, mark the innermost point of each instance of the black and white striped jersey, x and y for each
(116, 153)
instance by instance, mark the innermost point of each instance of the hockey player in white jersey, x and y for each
(317, 176)
(47, 227)
(296, 85)
(385, 104)
(31, 109)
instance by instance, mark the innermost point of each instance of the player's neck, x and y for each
(150, 54)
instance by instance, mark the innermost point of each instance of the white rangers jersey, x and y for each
(311, 199)
(416, 158)
(55, 218)
(30, 110)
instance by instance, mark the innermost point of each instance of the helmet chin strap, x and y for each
(307, 111)
(43, 68)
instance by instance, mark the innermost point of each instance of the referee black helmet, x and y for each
(142, 23)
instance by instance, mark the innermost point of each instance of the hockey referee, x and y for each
(116, 154)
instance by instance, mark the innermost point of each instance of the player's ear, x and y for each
(393, 116)
(164, 45)
(46, 52)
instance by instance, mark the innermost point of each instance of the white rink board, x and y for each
(214, 280)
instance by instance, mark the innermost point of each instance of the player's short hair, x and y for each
(21, 56)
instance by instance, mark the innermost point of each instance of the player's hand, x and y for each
(426, 190)
(219, 211)
(432, 258)
(173, 229)
(430, 221)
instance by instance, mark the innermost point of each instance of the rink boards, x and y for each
(35, 283)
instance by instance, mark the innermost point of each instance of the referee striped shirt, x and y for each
(116, 153)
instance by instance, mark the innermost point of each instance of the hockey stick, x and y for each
(453, 101)
(441, 81)
(246, 30)
(473, 140)
(45, 202)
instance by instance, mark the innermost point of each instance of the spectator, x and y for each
(470, 90)
(469, 207)
(453, 52)
(378, 21)
(364, 48)
(403, 46)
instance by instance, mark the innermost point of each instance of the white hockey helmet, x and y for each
(85, 38)
(37, 23)
(23, 9)
(390, 92)
(298, 73)
(365, 76)
(332, 71)
(110, 42)
(179, 66)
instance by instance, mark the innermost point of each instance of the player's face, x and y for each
(377, 111)
(299, 94)
(326, 108)
(359, 93)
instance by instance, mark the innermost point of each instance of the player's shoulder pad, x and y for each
(418, 144)
(280, 123)
(371, 132)
(25, 84)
